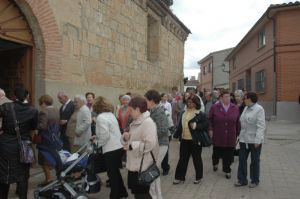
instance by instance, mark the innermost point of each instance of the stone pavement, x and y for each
(280, 176)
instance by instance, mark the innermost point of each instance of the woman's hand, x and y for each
(193, 125)
(126, 136)
(210, 132)
(93, 139)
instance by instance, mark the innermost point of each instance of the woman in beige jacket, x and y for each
(141, 139)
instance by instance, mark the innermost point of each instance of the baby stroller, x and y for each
(68, 186)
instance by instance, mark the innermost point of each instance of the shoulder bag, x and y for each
(25, 148)
(145, 178)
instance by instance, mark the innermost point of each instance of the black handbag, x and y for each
(145, 178)
(25, 146)
(205, 139)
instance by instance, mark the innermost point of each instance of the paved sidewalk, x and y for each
(280, 172)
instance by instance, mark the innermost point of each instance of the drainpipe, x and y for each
(274, 67)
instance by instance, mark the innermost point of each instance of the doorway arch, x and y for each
(16, 49)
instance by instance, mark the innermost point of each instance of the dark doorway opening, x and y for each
(15, 67)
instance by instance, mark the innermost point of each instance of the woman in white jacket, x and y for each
(140, 140)
(253, 128)
(108, 137)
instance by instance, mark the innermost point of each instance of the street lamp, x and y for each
(223, 68)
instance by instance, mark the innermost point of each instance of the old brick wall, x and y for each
(251, 57)
(288, 55)
(103, 45)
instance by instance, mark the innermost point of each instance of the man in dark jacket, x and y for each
(65, 113)
(11, 169)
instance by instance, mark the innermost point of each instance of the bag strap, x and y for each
(143, 158)
(17, 129)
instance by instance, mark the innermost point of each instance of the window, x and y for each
(152, 39)
(240, 84)
(233, 63)
(204, 70)
(210, 67)
(233, 87)
(260, 81)
(261, 39)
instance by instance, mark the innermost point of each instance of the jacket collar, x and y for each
(141, 118)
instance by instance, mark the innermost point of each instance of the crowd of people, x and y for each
(139, 127)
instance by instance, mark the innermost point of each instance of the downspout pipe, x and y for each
(274, 67)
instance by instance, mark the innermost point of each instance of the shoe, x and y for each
(124, 195)
(238, 184)
(107, 183)
(228, 175)
(197, 181)
(165, 172)
(215, 167)
(178, 181)
(252, 185)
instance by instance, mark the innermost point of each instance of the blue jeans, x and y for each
(254, 166)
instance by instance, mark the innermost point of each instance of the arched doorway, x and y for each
(16, 49)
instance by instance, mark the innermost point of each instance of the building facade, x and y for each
(214, 70)
(267, 61)
(105, 46)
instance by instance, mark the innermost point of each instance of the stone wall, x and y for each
(104, 48)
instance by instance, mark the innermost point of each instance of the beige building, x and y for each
(105, 46)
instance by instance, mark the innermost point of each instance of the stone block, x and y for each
(92, 38)
(94, 51)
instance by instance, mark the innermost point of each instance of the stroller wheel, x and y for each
(81, 196)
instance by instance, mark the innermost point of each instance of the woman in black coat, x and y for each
(191, 124)
(11, 169)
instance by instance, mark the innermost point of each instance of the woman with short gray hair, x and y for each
(238, 96)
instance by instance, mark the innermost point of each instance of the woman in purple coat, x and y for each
(224, 126)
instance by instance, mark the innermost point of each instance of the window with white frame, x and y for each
(204, 70)
(261, 39)
(260, 81)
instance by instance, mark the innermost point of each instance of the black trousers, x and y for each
(188, 148)
(22, 187)
(113, 160)
(165, 163)
(226, 153)
(142, 196)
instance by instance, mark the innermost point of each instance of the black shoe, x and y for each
(107, 183)
(238, 184)
(124, 195)
(228, 175)
(215, 168)
(165, 172)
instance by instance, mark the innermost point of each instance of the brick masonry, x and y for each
(250, 58)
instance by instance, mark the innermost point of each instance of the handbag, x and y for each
(237, 147)
(205, 139)
(25, 147)
(145, 178)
